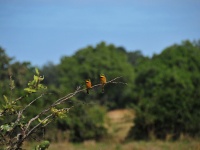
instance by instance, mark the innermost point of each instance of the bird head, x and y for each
(102, 75)
(87, 80)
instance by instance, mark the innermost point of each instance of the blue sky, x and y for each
(40, 31)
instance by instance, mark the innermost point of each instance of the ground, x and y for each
(118, 123)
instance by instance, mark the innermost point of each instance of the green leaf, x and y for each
(37, 71)
(7, 106)
(12, 84)
(61, 114)
(6, 127)
(15, 107)
(29, 90)
(5, 98)
(31, 83)
(43, 145)
(41, 86)
(36, 78)
(44, 121)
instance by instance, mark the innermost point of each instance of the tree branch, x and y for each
(27, 131)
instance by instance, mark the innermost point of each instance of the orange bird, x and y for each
(88, 85)
(103, 81)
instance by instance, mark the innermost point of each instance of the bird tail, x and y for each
(87, 91)
(102, 91)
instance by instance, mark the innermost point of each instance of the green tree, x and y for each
(167, 97)
(19, 119)
(90, 62)
(134, 57)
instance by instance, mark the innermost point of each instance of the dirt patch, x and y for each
(119, 123)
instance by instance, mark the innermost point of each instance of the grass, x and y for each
(141, 145)
(118, 123)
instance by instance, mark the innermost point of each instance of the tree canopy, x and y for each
(164, 90)
(168, 97)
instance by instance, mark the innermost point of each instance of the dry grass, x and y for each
(153, 145)
(118, 124)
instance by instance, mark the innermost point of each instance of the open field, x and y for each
(142, 145)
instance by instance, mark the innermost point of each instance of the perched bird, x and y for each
(103, 81)
(88, 85)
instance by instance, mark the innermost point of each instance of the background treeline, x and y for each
(163, 90)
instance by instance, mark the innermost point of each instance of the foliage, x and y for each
(89, 126)
(19, 121)
(14, 127)
(43, 145)
(163, 90)
(89, 63)
(168, 100)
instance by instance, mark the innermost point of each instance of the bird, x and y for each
(102, 81)
(88, 85)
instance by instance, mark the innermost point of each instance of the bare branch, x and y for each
(63, 99)
(21, 112)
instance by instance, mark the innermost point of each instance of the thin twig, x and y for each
(21, 112)
(36, 126)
